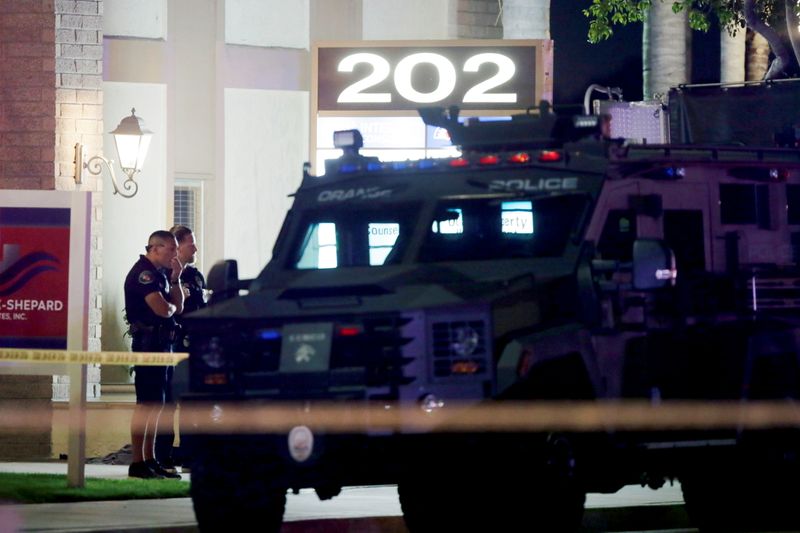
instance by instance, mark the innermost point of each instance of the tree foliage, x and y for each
(604, 14)
(765, 17)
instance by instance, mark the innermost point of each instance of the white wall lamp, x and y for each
(132, 140)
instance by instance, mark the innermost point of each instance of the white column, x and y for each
(732, 51)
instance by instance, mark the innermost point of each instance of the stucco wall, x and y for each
(267, 23)
(264, 158)
(136, 18)
(409, 19)
(127, 222)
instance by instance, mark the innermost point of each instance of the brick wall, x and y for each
(27, 94)
(79, 119)
(50, 98)
(479, 19)
(27, 134)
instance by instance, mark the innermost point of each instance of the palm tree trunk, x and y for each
(783, 57)
(664, 49)
(757, 56)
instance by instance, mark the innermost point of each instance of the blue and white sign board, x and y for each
(44, 274)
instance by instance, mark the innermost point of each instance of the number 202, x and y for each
(381, 69)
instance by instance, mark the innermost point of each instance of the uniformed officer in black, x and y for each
(195, 297)
(153, 295)
(192, 280)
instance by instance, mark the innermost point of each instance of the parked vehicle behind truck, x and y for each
(547, 263)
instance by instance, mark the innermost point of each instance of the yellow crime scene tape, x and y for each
(80, 357)
(580, 416)
(536, 416)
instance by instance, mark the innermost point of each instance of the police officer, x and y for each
(153, 295)
(192, 280)
(194, 298)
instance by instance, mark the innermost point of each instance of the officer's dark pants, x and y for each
(154, 386)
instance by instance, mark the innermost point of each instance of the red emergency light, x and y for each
(549, 156)
(349, 331)
(520, 157)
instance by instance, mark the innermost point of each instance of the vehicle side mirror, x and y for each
(223, 280)
(653, 265)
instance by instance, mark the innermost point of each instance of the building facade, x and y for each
(224, 86)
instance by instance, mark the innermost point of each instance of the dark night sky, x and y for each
(616, 62)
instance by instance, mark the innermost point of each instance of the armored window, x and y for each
(517, 217)
(744, 204)
(320, 246)
(795, 240)
(793, 203)
(619, 232)
(491, 228)
(381, 238)
(683, 233)
(347, 237)
(450, 224)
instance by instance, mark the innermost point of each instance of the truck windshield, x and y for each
(461, 230)
(480, 229)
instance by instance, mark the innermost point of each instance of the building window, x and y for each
(188, 201)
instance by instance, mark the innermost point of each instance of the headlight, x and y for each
(465, 341)
(211, 353)
(460, 343)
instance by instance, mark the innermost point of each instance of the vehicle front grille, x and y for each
(371, 359)
(378, 350)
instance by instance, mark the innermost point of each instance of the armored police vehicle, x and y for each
(546, 263)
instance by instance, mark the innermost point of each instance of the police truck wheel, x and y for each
(440, 493)
(422, 509)
(558, 496)
(230, 498)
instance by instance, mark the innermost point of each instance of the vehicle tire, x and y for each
(229, 495)
(423, 509)
(557, 494)
(445, 492)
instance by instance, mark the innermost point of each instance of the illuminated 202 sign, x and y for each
(486, 76)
